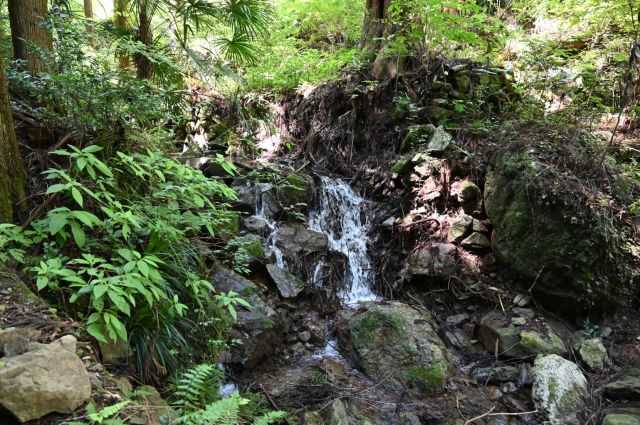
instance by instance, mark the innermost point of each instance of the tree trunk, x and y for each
(145, 36)
(121, 12)
(88, 13)
(13, 176)
(373, 27)
(27, 18)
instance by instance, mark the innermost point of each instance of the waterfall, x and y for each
(263, 213)
(339, 216)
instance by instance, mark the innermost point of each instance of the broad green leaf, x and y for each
(77, 196)
(56, 223)
(78, 234)
(56, 188)
(96, 330)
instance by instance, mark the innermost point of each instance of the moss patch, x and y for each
(431, 377)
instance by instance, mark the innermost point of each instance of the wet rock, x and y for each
(256, 225)
(436, 260)
(627, 388)
(258, 328)
(469, 196)
(440, 140)
(542, 341)
(312, 418)
(295, 239)
(50, 378)
(497, 374)
(396, 344)
(476, 241)
(459, 229)
(559, 389)
(336, 413)
(316, 329)
(594, 354)
(246, 201)
(478, 226)
(495, 332)
(304, 336)
(289, 286)
(294, 193)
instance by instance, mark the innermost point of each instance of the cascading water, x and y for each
(339, 216)
(263, 213)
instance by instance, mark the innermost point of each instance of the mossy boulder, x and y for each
(573, 255)
(469, 196)
(544, 341)
(559, 390)
(395, 343)
(621, 419)
(417, 135)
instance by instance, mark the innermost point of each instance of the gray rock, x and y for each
(12, 343)
(51, 378)
(395, 343)
(256, 225)
(304, 336)
(295, 239)
(436, 260)
(559, 390)
(459, 229)
(497, 374)
(627, 388)
(479, 226)
(495, 332)
(439, 141)
(527, 313)
(469, 196)
(594, 355)
(336, 413)
(476, 241)
(621, 419)
(289, 286)
(257, 328)
(542, 341)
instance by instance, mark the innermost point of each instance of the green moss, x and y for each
(432, 376)
(417, 135)
(402, 166)
(374, 324)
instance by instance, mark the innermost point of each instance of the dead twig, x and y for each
(491, 413)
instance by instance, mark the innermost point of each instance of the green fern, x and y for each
(270, 418)
(195, 387)
(222, 412)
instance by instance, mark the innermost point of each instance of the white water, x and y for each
(339, 216)
(261, 212)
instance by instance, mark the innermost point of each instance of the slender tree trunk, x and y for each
(373, 27)
(121, 12)
(26, 18)
(13, 176)
(145, 36)
(88, 13)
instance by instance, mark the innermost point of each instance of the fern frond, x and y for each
(195, 386)
(270, 418)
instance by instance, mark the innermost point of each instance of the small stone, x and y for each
(440, 140)
(469, 196)
(521, 300)
(518, 321)
(457, 319)
(544, 342)
(304, 336)
(388, 223)
(494, 332)
(594, 354)
(493, 393)
(497, 374)
(478, 226)
(459, 229)
(508, 388)
(476, 241)
(256, 225)
(524, 312)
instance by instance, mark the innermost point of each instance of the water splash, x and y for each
(339, 215)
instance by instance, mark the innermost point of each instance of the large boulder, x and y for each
(258, 328)
(559, 390)
(396, 344)
(48, 378)
(574, 255)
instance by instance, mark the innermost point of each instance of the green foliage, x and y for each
(123, 252)
(308, 42)
(198, 401)
(103, 417)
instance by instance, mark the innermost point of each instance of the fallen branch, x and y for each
(491, 413)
